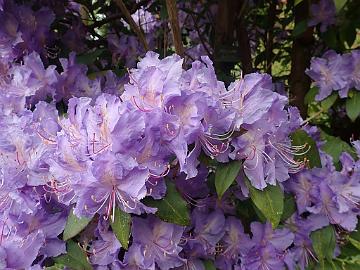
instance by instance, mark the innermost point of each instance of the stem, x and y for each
(132, 23)
(307, 120)
(175, 28)
(203, 43)
(300, 60)
(243, 41)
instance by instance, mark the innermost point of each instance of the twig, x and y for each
(175, 28)
(132, 23)
(307, 120)
(203, 43)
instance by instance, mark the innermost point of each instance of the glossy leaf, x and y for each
(270, 202)
(354, 242)
(300, 28)
(225, 176)
(334, 146)
(289, 207)
(324, 241)
(74, 225)
(172, 208)
(121, 227)
(75, 258)
(89, 58)
(209, 265)
(353, 105)
(339, 4)
(296, 2)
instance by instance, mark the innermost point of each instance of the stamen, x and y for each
(166, 172)
(221, 137)
(255, 166)
(135, 103)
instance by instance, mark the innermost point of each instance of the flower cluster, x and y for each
(329, 193)
(335, 72)
(89, 148)
(112, 151)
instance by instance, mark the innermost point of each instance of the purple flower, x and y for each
(234, 243)
(24, 30)
(330, 73)
(154, 82)
(74, 82)
(208, 230)
(117, 180)
(325, 204)
(303, 185)
(126, 48)
(266, 148)
(156, 243)
(19, 252)
(246, 94)
(303, 252)
(50, 225)
(269, 248)
(105, 249)
(201, 77)
(323, 13)
(145, 19)
(355, 76)
(347, 190)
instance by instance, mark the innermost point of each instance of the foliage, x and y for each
(163, 134)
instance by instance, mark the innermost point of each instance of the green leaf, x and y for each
(327, 265)
(89, 58)
(225, 176)
(324, 104)
(354, 242)
(75, 258)
(331, 38)
(74, 225)
(289, 207)
(300, 28)
(300, 137)
(269, 201)
(55, 267)
(353, 105)
(310, 95)
(339, 4)
(259, 214)
(296, 2)
(329, 101)
(121, 227)
(324, 242)
(209, 265)
(172, 208)
(334, 146)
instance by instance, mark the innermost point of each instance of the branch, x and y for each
(270, 36)
(243, 42)
(203, 43)
(300, 60)
(224, 34)
(132, 23)
(175, 28)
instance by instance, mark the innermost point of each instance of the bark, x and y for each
(224, 32)
(270, 36)
(300, 60)
(243, 41)
(175, 28)
(132, 23)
